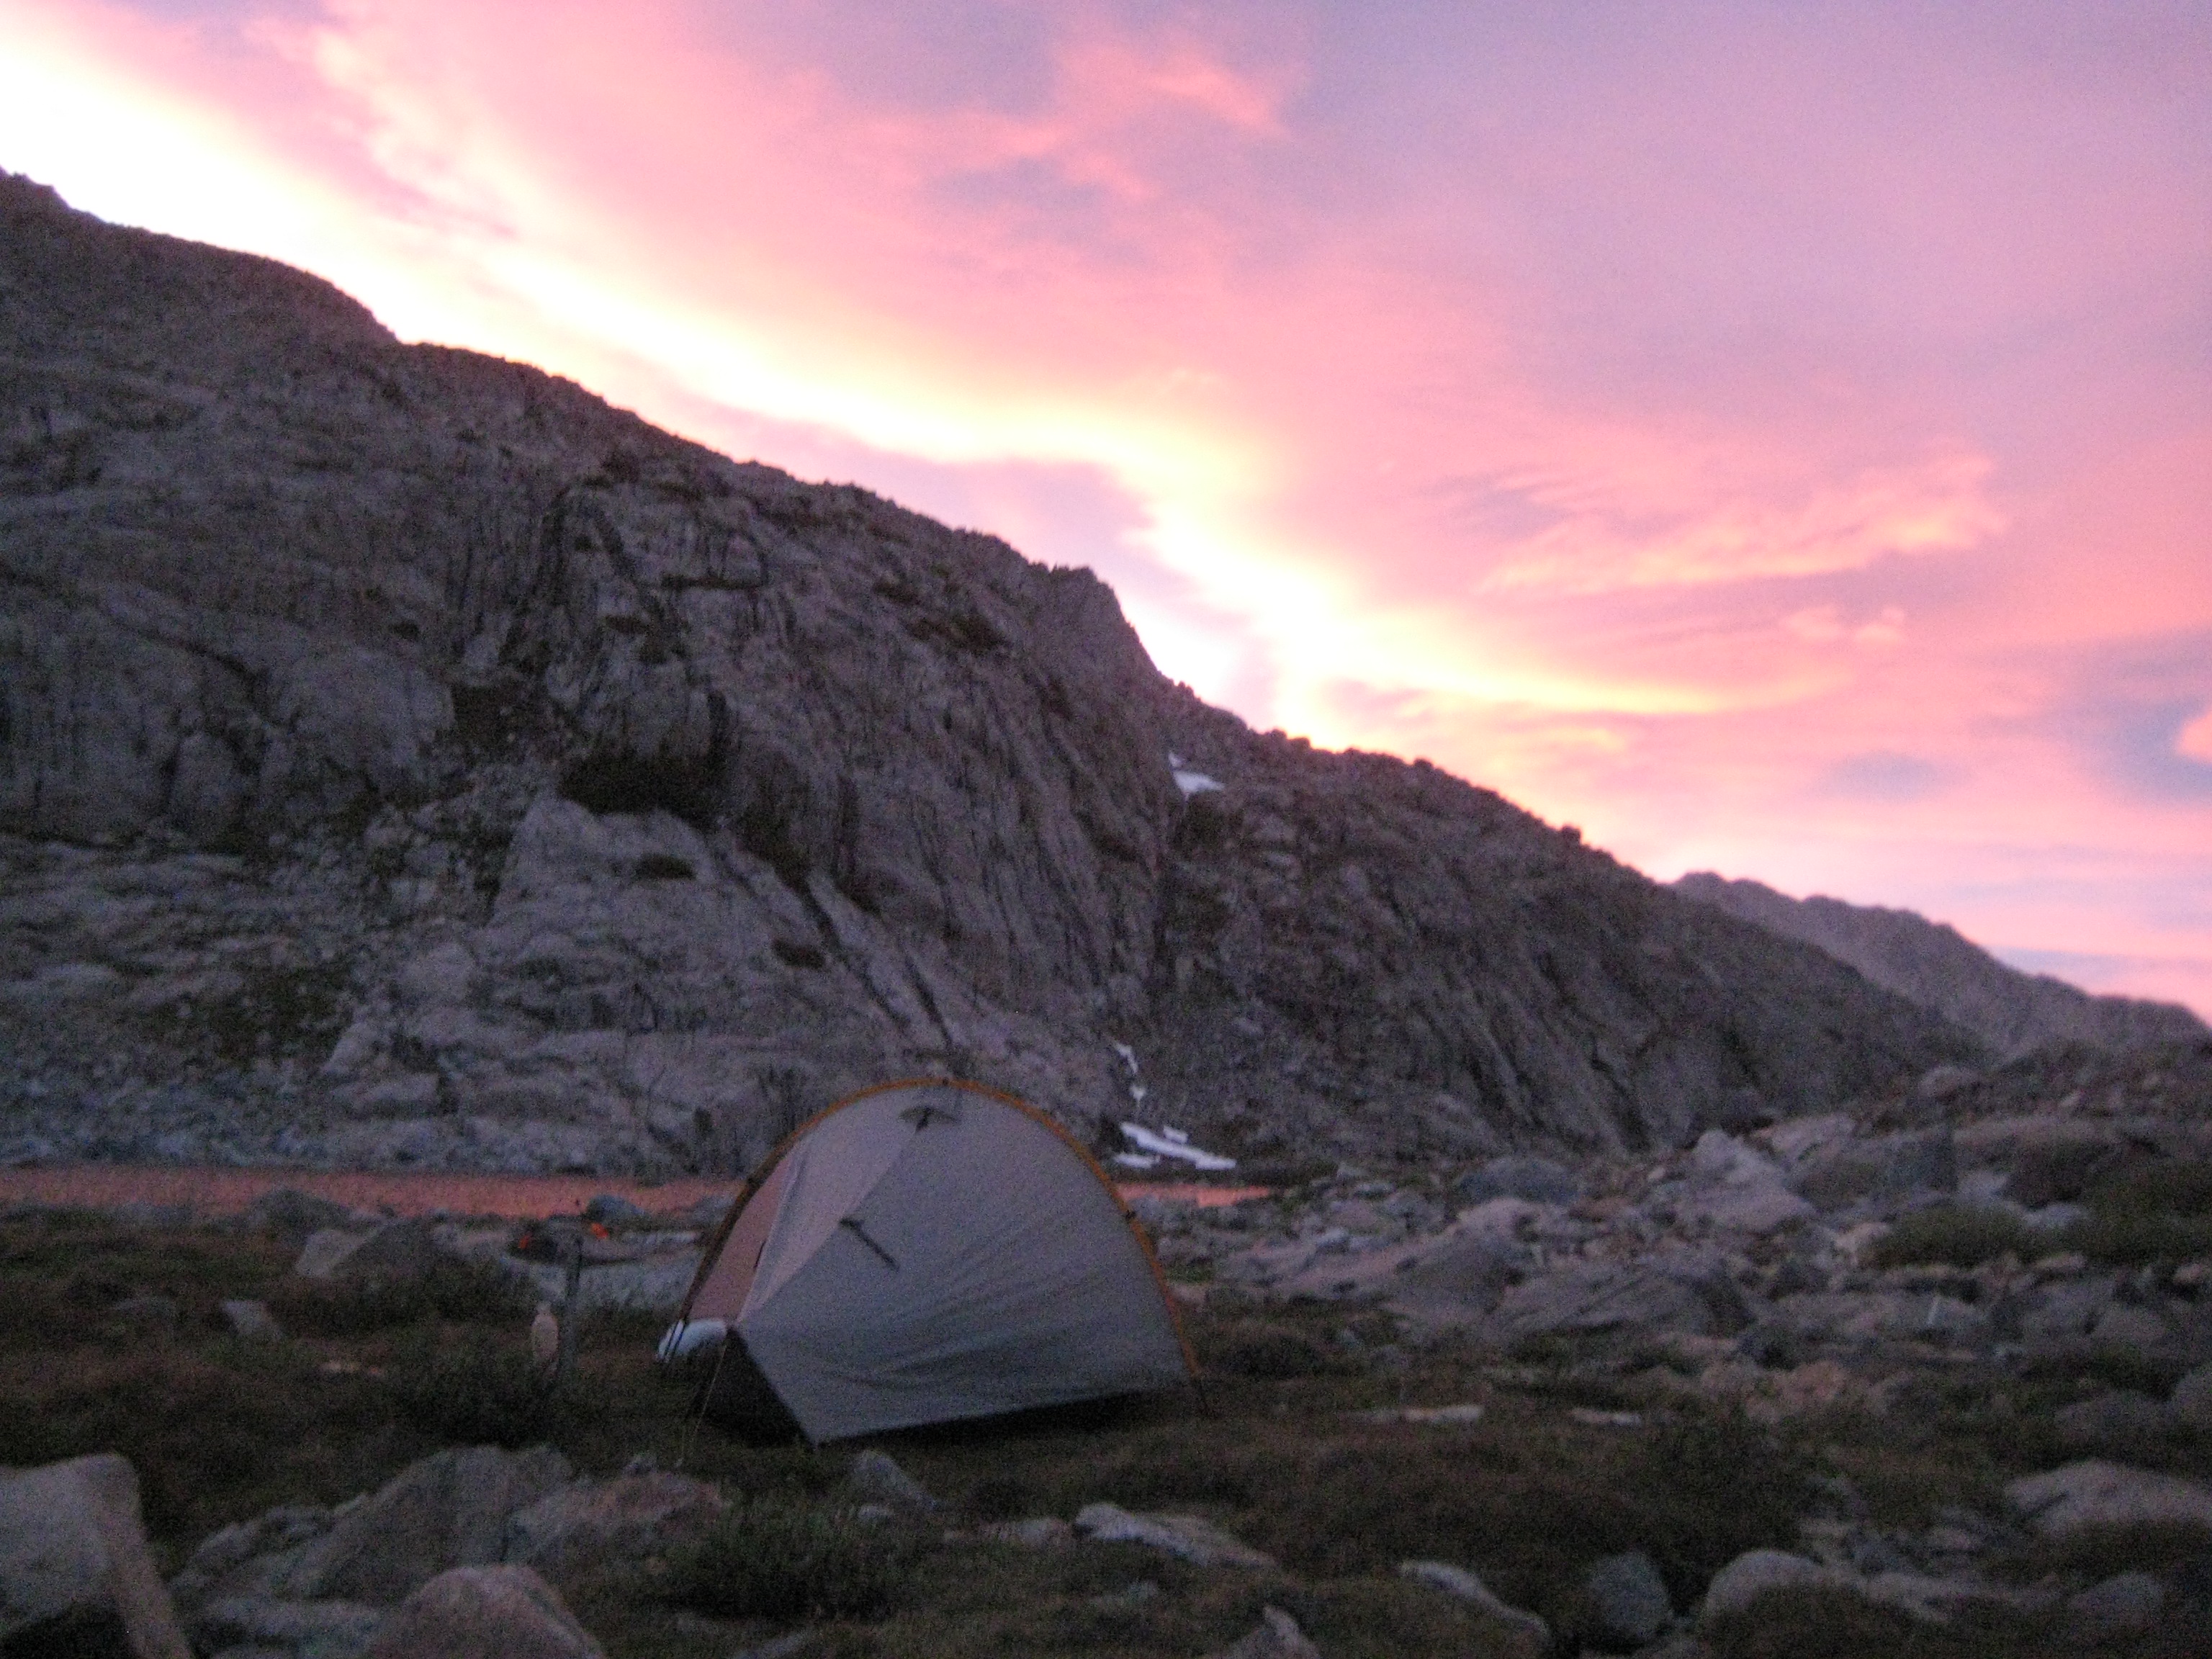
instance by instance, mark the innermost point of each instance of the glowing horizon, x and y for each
(1774, 443)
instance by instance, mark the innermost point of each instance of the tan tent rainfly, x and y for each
(921, 1252)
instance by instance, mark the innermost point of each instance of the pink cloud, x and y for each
(2196, 738)
(1741, 439)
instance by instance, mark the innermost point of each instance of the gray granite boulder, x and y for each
(75, 1571)
(472, 1611)
(1755, 1573)
(620, 1522)
(451, 1509)
(1627, 1600)
(1689, 1293)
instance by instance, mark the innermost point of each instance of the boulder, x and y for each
(1468, 1587)
(1760, 1572)
(469, 1612)
(1537, 1180)
(325, 1250)
(1889, 1167)
(252, 1319)
(2115, 1414)
(1690, 1294)
(1277, 1636)
(2095, 1493)
(243, 1560)
(311, 1629)
(652, 1284)
(1037, 1532)
(74, 1572)
(293, 1217)
(2119, 1606)
(1757, 1207)
(2191, 1399)
(877, 1477)
(1463, 1274)
(1928, 1598)
(2123, 1326)
(450, 1509)
(394, 1253)
(1627, 1601)
(1187, 1537)
(630, 1518)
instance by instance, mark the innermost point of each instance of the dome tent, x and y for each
(921, 1252)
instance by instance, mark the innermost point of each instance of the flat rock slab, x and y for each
(2095, 1493)
(1184, 1536)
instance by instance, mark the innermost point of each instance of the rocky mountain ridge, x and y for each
(1933, 964)
(407, 758)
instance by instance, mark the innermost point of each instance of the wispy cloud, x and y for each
(1769, 478)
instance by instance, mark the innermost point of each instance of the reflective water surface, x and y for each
(213, 1191)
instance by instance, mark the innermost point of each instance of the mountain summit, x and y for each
(408, 758)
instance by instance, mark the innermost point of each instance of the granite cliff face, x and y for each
(405, 757)
(1935, 966)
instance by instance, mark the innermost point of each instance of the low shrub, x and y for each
(2158, 1213)
(1266, 1351)
(2176, 1187)
(463, 1289)
(2122, 1236)
(770, 1557)
(476, 1390)
(1961, 1234)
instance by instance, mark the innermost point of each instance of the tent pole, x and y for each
(706, 1399)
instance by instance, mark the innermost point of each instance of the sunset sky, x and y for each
(1775, 437)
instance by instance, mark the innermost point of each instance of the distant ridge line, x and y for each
(1935, 965)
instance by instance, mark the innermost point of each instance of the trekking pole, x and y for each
(572, 1299)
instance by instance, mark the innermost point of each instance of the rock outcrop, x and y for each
(1935, 966)
(407, 758)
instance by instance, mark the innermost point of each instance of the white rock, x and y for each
(1187, 1537)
